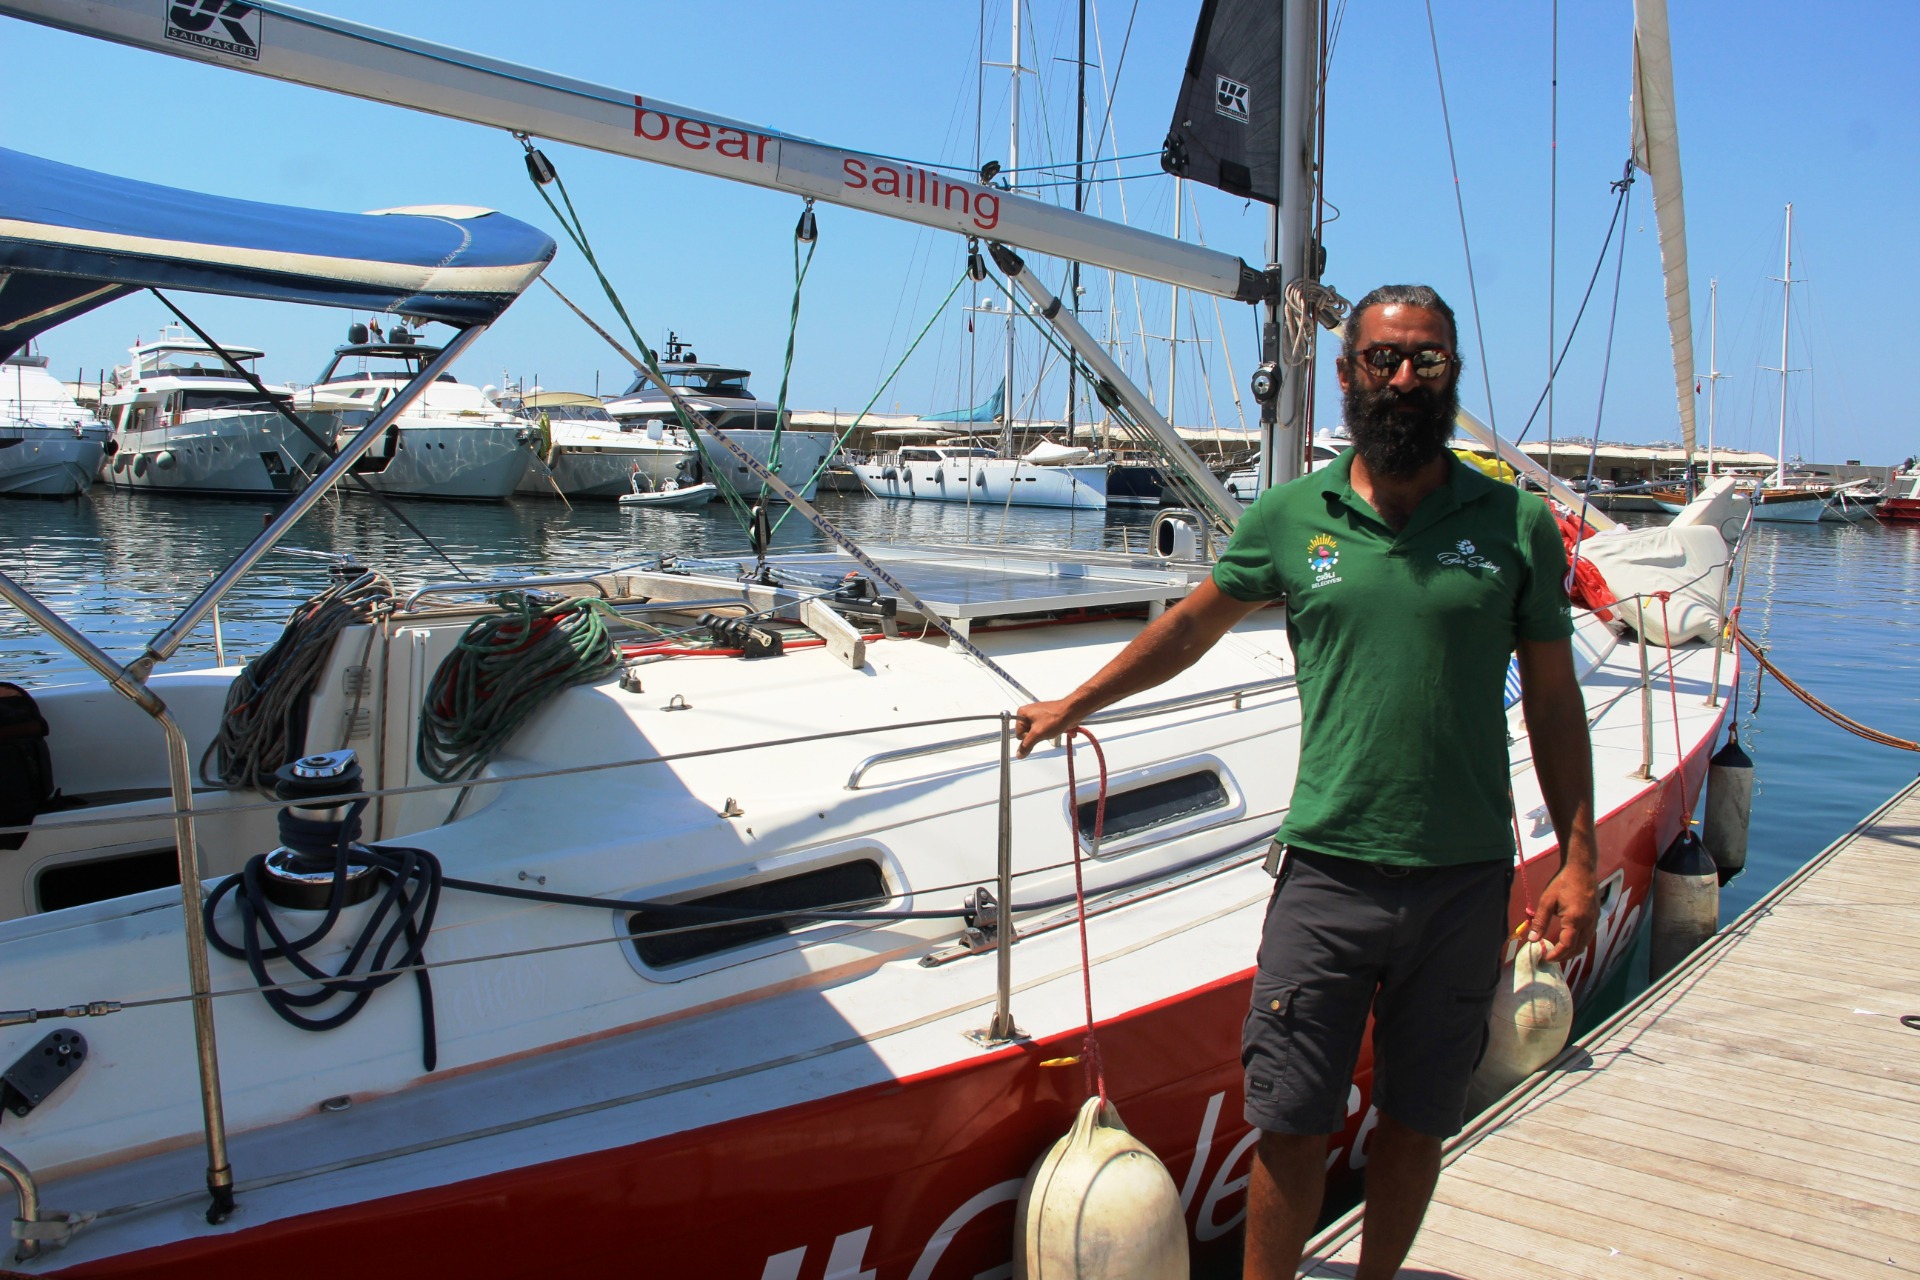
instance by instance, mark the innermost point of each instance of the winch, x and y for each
(318, 834)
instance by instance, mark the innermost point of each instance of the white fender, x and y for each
(1532, 1016)
(1099, 1206)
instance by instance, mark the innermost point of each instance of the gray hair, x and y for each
(1405, 295)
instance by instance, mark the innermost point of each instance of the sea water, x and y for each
(1837, 607)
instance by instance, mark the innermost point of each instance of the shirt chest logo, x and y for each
(1465, 556)
(1323, 557)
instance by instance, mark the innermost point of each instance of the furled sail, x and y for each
(1226, 124)
(1656, 151)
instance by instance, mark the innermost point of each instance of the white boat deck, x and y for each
(1756, 1115)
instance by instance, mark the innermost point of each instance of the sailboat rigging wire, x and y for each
(576, 230)
(366, 486)
(1473, 289)
(879, 391)
(1606, 366)
(801, 264)
(1126, 41)
(1553, 228)
(1620, 190)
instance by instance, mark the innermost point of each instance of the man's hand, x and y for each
(1038, 721)
(1568, 911)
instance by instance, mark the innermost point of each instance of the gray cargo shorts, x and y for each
(1419, 947)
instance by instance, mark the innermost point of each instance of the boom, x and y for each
(365, 62)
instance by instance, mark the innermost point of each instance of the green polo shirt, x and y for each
(1401, 642)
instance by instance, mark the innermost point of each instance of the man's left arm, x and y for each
(1556, 717)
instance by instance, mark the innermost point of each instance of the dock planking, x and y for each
(1756, 1114)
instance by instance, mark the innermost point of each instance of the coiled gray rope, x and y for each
(265, 721)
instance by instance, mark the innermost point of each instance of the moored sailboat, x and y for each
(743, 951)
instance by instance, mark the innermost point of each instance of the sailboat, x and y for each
(1780, 500)
(758, 964)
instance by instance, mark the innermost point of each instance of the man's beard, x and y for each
(1397, 433)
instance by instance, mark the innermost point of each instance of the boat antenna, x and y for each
(319, 441)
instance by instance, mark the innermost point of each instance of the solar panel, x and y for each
(970, 582)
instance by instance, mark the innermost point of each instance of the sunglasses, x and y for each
(1384, 362)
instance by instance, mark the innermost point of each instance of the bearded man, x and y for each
(1409, 578)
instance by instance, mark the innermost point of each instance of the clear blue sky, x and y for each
(1778, 101)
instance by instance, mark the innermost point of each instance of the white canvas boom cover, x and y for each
(329, 53)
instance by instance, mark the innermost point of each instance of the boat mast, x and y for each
(1173, 311)
(1786, 306)
(1291, 251)
(1013, 174)
(1713, 363)
(1079, 203)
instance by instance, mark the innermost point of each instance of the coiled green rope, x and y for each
(504, 669)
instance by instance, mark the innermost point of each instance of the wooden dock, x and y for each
(1757, 1114)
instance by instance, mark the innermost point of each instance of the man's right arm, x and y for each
(1170, 644)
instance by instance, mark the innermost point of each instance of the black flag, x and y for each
(1226, 125)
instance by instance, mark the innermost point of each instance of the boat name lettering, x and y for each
(923, 187)
(697, 135)
(192, 22)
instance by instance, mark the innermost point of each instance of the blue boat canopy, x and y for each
(72, 240)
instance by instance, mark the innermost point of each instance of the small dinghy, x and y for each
(669, 495)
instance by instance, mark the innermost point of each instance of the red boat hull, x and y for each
(914, 1179)
(1899, 510)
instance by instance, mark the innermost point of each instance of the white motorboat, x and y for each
(970, 474)
(453, 443)
(187, 420)
(671, 495)
(591, 454)
(750, 951)
(49, 445)
(720, 393)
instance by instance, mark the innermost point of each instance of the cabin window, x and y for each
(852, 885)
(237, 399)
(73, 883)
(1154, 804)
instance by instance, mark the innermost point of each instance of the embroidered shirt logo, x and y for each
(1464, 555)
(1323, 556)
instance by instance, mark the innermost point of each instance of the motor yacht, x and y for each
(591, 454)
(454, 442)
(49, 445)
(720, 393)
(187, 419)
